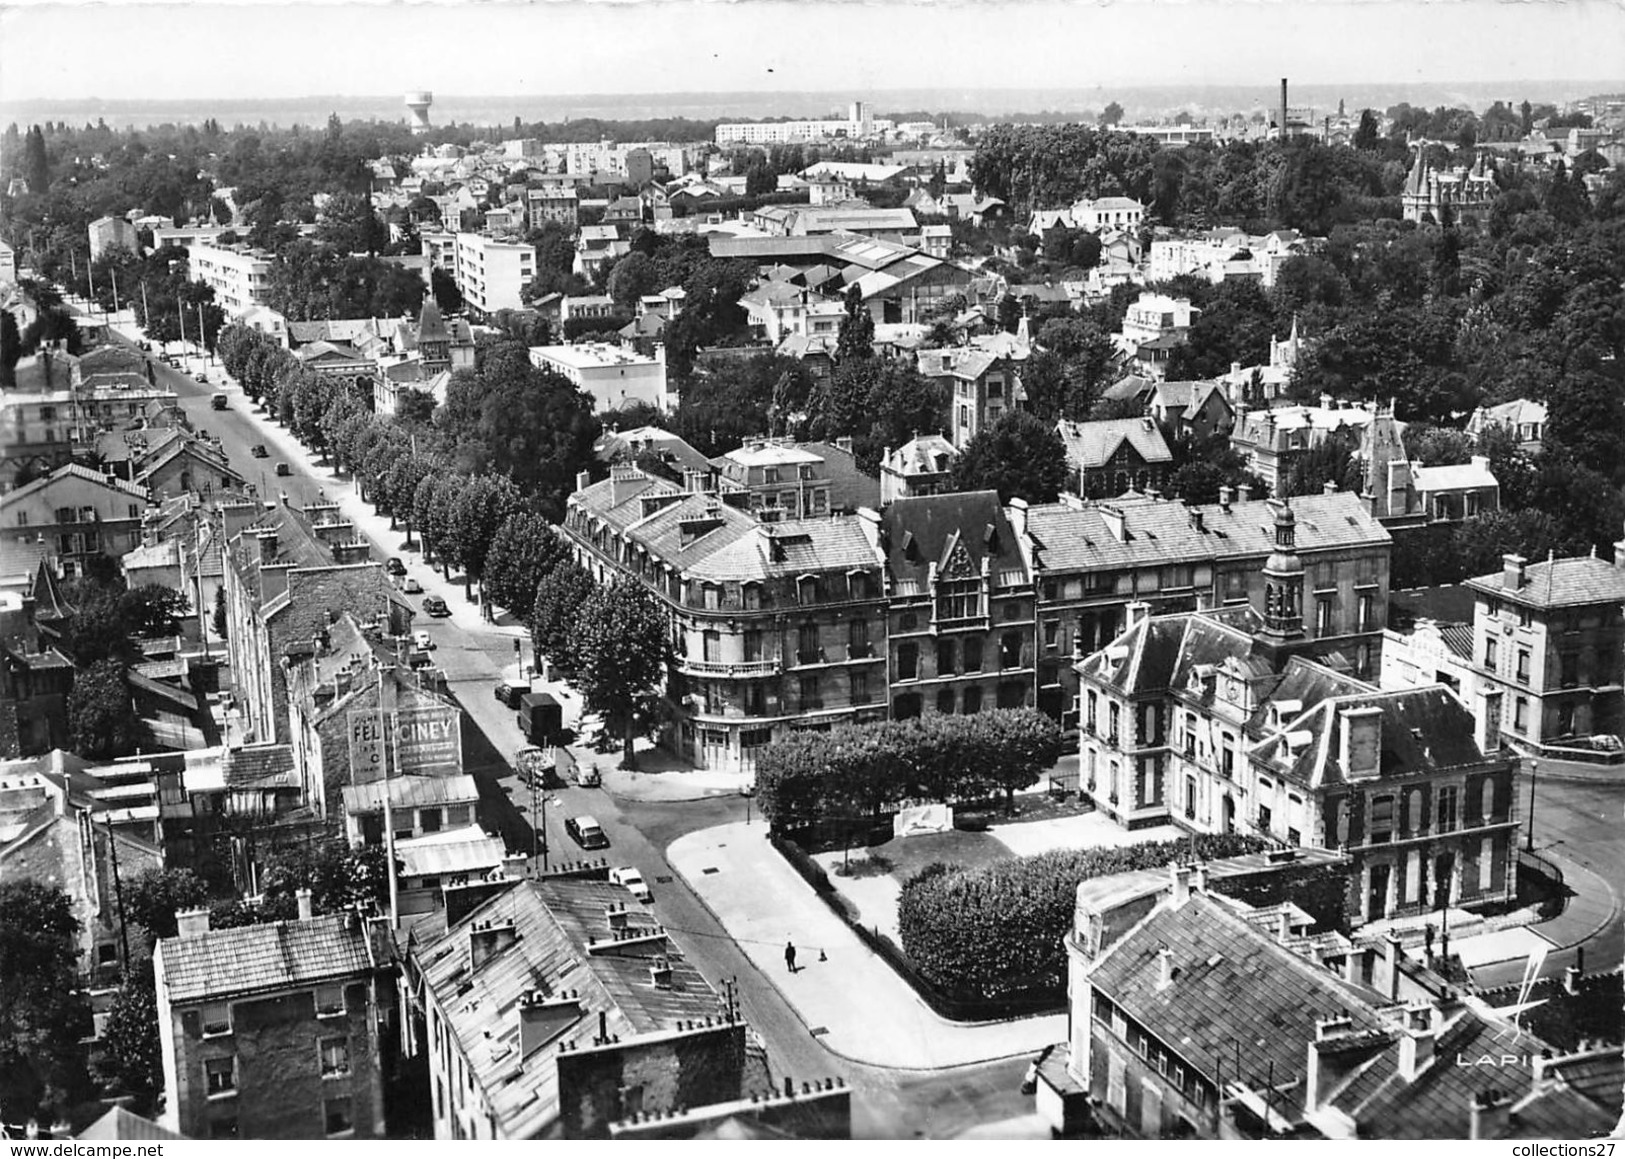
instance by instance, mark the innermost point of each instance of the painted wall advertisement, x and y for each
(418, 742)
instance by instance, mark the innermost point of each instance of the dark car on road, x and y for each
(508, 694)
(219, 402)
(283, 469)
(259, 452)
(395, 566)
(587, 832)
(435, 606)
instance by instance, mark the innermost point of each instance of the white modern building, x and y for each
(614, 375)
(239, 274)
(490, 272)
(858, 124)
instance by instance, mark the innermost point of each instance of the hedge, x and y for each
(996, 931)
(810, 870)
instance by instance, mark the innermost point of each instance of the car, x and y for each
(587, 776)
(435, 606)
(283, 469)
(586, 832)
(394, 566)
(203, 378)
(220, 402)
(421, 639)
(259, 452)
(411, 587)
(633, 881)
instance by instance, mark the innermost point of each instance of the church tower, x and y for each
(1283, 578)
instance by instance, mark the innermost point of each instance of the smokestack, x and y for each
(305, 909)
(1283, 108)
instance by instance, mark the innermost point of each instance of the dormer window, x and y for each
(807, 589)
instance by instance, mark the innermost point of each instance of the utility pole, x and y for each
(386, 688)
(118, 891)
(1534, 772)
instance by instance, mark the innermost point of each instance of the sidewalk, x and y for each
(852, 1001)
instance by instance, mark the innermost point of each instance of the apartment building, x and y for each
(76, 514)
(109, 233)
(1092, 561)
(492, 271)
(289, 573)
(614, 375)
(1548, 651)
(239, 274)
(1109, 457)
(774, 625)
(782, 479)
(960, 612)
(554, 202)
(278, 1030)
(982, 384)
(552, 1011)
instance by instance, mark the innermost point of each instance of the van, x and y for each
(540, 718)
(219, 402)
(586, 832)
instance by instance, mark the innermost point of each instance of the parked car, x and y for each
(586, 832)
(203, 378)
(395, 566)
(420, 639)
(508, 694)
(219, 402)
(633, 881)
(259, 452)
(411, 587)
(435, 606)
(587, 776)
(283, 469)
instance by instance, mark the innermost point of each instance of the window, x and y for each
(860, 688)
(22, 519)
(807, 649)
(908, 622)
(973, 700)
(755, 738)
(1264, 818)
(1490, 649)
(1323, 617)
(329, 1001)
(973, 655)
(135, 511)
(1569, 669)
(1523, 665)
(429, 820)
(809, 693)
(1520, 714)
(338, 1117)
(1446, 816)
(712, 597)
(858, 583)
(753, 596)
(1486, 800)
(1010, 650)
(857, 640)
(807, 591)
(1294, 838)
(1052, 633)
(1092, 704)
(335, 1057)
(945, 657)
(220, 1074)
(1524, 618)
(1365, 614)
(1382, 819)
(945, 701)
(753, 647)
(711, 644)
(1114, 718)
(216, 1018)
(908, 661)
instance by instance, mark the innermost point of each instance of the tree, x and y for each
(152, 610)
(524, 550)
(1365, 137)
(1112, 115)
(1332, 460)
(1438, 446)
(43, 1014)
(132, 1049)
(218, 621)
(11, 349)
(1020, 456)
(556, 610)
(623, 644)
(101, 718)
(481, 509)
(446, 294)
(154, 898)
(36, 164)
(426, 509)
(856, 340)
(633, 276)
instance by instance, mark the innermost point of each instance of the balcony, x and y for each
(742, 669)
(806, 657)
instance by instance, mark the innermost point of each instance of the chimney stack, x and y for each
(1416, 1047)
(583, 480)
(1244, 493)
(1165, 968)
(192, 922)
(1199, 877)
(1354, 966)
(1512, 572)
(1227, 496)
(1134, 612)
(1283, 927)
(1179, 878)
(267, 546)
(1490, 1115)
(1390, 965)
(305, 911)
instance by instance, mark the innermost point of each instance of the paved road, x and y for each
(887, 1104)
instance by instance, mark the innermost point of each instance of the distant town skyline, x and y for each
(67, 52)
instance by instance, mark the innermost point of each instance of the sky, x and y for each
(54, 50)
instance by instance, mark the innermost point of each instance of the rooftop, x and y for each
(1559, 583)
(222, 964)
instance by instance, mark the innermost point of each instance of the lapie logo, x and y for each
(1496, 1060)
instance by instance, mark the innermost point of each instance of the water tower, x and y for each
(419, 103)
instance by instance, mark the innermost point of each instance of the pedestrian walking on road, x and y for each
(790, 956)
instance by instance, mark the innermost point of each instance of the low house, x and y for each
(1108, 457)
(1193, 410)
(1526, 419)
